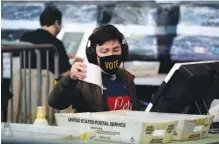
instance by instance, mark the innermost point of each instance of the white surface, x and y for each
(18, 24)
(142, 68)
(148, 109)
(36, 131)
(41, 122)
(6, 65)
(215, 103)
(192, 30)
(93, 74)
(181, 1)
(147, 29)
(215, 112)
(150, 80)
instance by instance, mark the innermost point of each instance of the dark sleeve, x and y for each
(135, 100)
(63, 94)
(64, 64)
(6, 93)
(24, 37)
(28, 37)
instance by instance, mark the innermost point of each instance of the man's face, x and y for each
(111, 47)
(58, 26)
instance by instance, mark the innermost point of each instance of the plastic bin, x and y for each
(189, 127)
(114, 128)
(47, 132)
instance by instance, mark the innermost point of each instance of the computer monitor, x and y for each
(72, 41)
(188, 88)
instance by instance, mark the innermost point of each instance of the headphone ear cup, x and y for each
(88, 53)
(125, 49)
(125, 52)
(91, 55)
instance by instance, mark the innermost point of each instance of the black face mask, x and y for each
(110, 64)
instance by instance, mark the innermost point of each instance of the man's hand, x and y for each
(78, 70)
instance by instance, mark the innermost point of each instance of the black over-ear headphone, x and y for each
(91, 51)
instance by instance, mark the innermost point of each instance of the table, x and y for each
(212, 138)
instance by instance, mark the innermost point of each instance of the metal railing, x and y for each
(24, 50)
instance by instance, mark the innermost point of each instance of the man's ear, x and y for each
(57, 22)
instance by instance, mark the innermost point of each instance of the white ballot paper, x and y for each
(93, 74)
(215, 112)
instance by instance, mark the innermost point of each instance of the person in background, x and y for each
(108, 49)
(51, 23)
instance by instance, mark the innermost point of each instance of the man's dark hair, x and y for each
(50, 15)
(105, 33)
(100, 36)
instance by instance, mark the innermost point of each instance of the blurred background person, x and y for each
(51, 23)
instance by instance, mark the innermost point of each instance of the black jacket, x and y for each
(86, 97)
(41, 36)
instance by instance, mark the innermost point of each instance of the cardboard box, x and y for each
(122, 129)
(189, 127)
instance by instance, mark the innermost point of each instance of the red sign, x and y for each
(119, 103)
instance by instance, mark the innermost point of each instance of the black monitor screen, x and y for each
(188, 88)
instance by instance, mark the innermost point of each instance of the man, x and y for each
(108, 47)
(51, 21)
